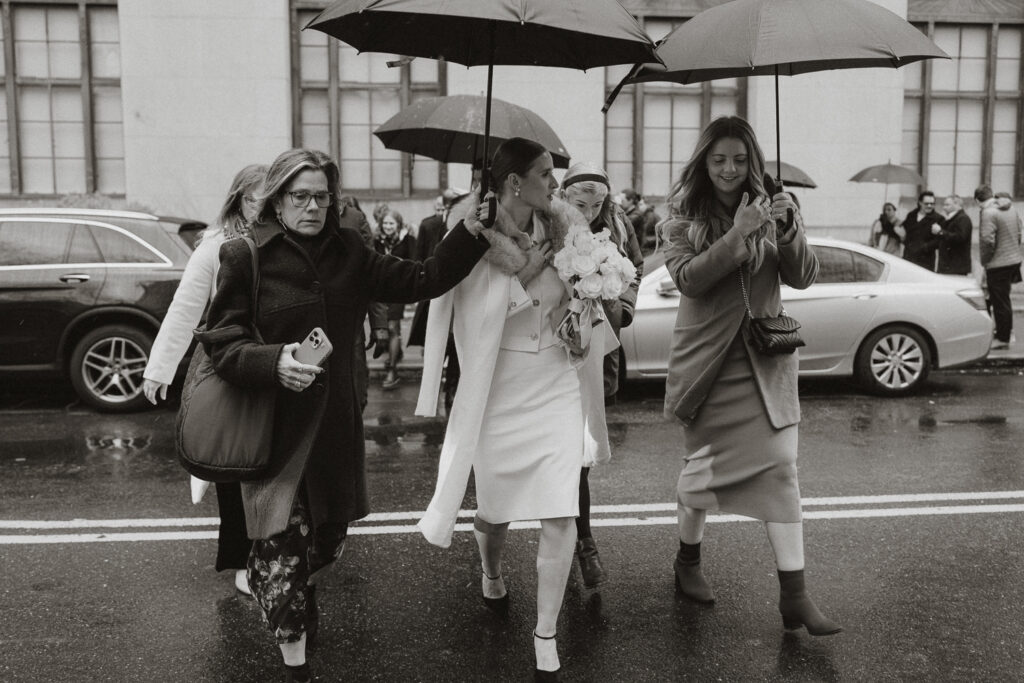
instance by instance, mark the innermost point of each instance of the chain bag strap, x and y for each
(770, 336)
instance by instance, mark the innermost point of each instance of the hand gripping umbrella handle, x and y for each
(492, 211)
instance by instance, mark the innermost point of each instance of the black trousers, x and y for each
(999, 281)
(232, 542)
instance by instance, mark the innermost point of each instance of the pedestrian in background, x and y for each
(312, 274)
(919, 241)
(198, 285)
(739, 407)
(352, 217)
(999, 236)
(393, 239)
(519, 417)
(954, 238)
(644, 219)
(887, 231)
(587, 187)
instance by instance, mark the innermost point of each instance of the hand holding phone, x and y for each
(314, 349)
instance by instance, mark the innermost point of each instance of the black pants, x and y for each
(999, 281)
(232, 542)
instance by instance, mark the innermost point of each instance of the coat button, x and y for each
(536, 302)
(512, 305)
(533, 337)
(315, 287)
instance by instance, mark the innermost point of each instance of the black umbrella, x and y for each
(577, 34)
(888, 173)
(452, 129)
(791, 175)
(787, 37)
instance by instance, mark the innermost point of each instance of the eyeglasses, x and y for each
(300, 198)
(927, 203)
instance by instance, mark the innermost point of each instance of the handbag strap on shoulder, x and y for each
(254, 298)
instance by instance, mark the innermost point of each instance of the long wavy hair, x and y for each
(692, 196)
(283, 169)
(231, 220)
(581, 177)
(889, 226)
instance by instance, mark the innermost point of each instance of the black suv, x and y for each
(82, 293)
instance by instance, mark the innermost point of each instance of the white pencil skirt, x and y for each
(530, 451)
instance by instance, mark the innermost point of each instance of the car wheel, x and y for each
(107, 365)
(893, 361)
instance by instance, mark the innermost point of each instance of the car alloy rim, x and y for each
(112, 369)
(897, 361)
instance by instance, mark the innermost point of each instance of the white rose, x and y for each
(605, 252)
(613, 286)
(583, 265)
(590, 287)
(584, 242)
(563, 263)
(603, 236)
(627, 269)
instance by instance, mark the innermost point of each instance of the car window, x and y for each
(121, 247)
(33, 243)
(83, 247)
(842, 265)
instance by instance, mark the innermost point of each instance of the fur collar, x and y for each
(512, 249)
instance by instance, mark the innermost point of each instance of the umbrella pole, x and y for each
(485, 166)
(778, 141)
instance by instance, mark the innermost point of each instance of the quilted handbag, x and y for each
(223, 431)
(771, 336)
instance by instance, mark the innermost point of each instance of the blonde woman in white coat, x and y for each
(520, 419)
(198, 284)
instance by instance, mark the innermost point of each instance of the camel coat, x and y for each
(711, 313)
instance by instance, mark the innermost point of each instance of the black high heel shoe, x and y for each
(541, 676)
(496, 605)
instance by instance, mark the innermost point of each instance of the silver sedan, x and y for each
(870, 315)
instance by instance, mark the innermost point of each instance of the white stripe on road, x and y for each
(609, 522)
(594, 510)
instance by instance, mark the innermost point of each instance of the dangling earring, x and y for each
(515, 190)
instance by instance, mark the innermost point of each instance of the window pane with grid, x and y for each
(104, 43)
(46, 42)
(108, 139)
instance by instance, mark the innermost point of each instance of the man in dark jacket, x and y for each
(920, 244)
(954, 238)
(354, 219)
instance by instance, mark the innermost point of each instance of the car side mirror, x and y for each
(667, 288)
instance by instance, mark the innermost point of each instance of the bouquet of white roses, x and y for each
(594, 269)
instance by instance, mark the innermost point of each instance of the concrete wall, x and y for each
(205, 90)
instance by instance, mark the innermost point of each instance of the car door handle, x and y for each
(74, 277)
(861, 297)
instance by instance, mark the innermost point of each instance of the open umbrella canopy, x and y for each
(786, 37)
(451, 129)
(577, 34)
(890, 174)
(791, 175)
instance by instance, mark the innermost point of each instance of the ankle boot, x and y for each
(797, 608)
(690, 580)
(590, 563)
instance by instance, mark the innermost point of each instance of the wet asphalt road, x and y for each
(928, 580)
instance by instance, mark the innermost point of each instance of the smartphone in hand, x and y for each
(315, 348)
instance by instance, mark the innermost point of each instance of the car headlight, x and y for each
(974, 297)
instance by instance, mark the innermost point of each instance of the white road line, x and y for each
(374, 530)
(107, 523)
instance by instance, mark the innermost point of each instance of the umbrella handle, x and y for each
(492, 209)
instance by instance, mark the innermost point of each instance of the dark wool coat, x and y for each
(920, 244)
(711, 312)
(318, 433)
(955, 245)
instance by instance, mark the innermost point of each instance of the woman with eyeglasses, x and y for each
(197, 286)
(311, 274)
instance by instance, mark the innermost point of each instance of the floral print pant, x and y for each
(279, 568)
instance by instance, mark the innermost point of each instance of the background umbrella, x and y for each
(578, 34)
(888, 173)
(452, 129)
(791, 175)
(787, 37)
